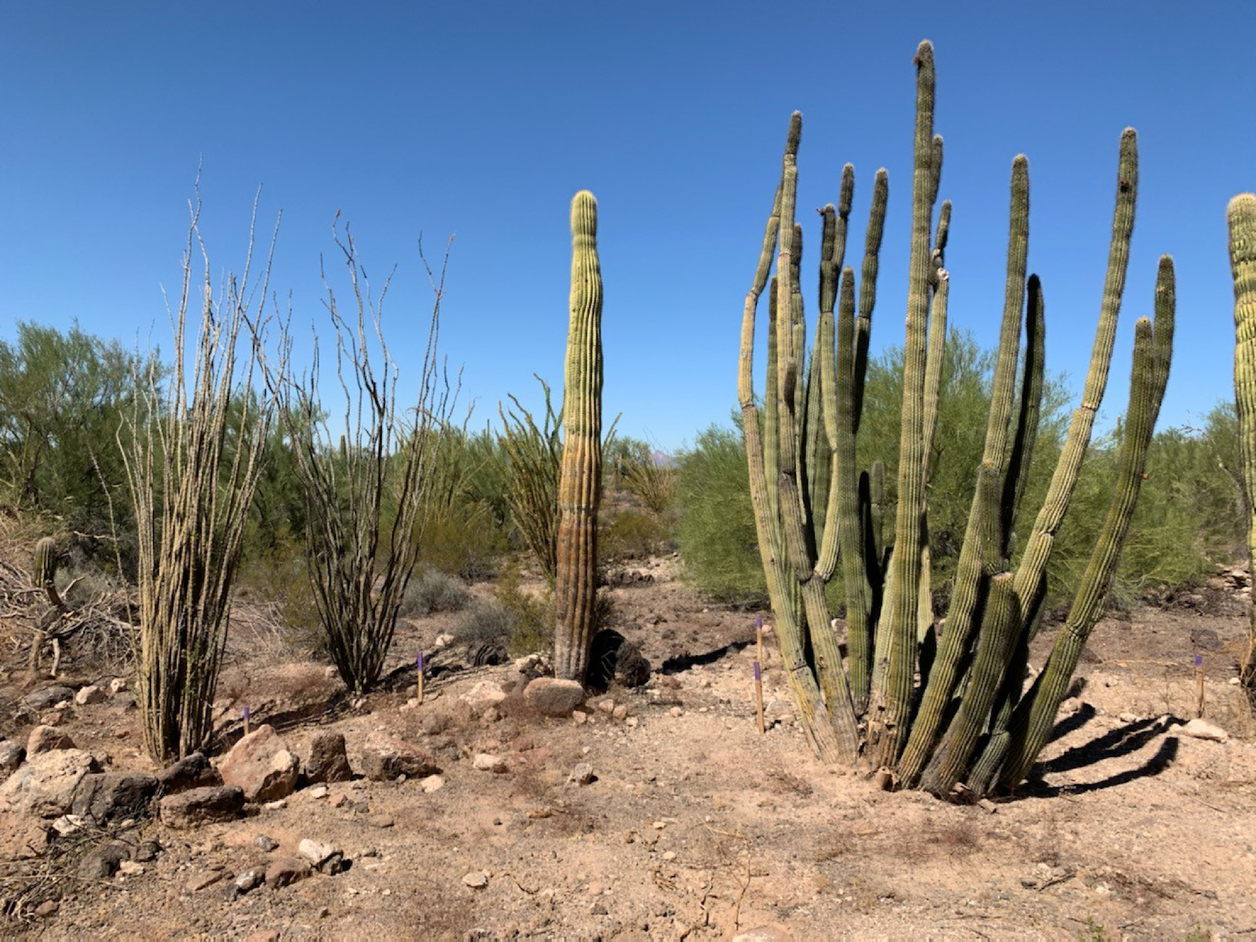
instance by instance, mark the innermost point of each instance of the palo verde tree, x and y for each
(966, 724)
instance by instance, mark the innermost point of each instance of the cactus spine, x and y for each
(580, 483)
(971, 674)
(1241, 216)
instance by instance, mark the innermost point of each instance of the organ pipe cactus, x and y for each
(964, 725)
(580, 481)
(1242, 220)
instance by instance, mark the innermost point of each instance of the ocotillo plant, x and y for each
(534, 458)
(965, 722)
(580, 483)
(1242, 220)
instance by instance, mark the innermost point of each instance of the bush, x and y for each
(280, 575)
(630, 534)
(521, 622)
(433, 591)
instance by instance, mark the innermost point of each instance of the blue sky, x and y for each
(482, 119)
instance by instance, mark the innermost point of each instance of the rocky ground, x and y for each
(493, 810)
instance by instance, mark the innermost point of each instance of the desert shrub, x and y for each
(627, 533)
(279, 576)
(715, 525)
(533, 454)
(521, 622)
(650, 477)
(433, 591)
(485, 621)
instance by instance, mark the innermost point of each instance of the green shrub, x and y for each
(485, 621)
(521, 622)
(433, 591)
(627, 533)
(281, 576)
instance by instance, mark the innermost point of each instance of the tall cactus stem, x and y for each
(580, 482)
(1241, 216)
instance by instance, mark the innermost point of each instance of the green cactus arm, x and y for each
(580, 480)
(1022, 447)
(1241, 220)
(891, 701)
(868, 288)
(1032, 722)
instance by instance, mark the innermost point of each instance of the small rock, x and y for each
(327, 761)
(385, 758)
(129, 868)
(1234, 681)
(489, 763)
(46, 739)
(1070, 706)
(261, 765)
(676, 711)
(476, 879)
(599, 909)
(199, 806)
(249, 880)
(442, 641)
(89, 695)
(68, 824)
(582, 774)
(632, 722)
(47, 908)
(12, 755)
(117, 685)
(265, 843)
(204, 880)
(48, 697)
(324, 857)
(380, 821)
(284, 871)
(103, 862)
(579, 717)
(148, 850)
(483, 695)
(607, 705)
(669, 855)
(550, 696)
(433, 783)
(318, 791)
(1202, 729)
(621, 712)
(1127, 717)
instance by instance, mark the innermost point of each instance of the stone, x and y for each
(265, 843)
(249, 880)
(621, 712)
(198, 806)
(483, 695)
(105, 797)
(384, 758)
(12, 755)
(148, 850)
(1205, 639)
(202, 881)
(476, 879)
(44, 787)
(579, 717)
(22, 837)
(484, 762)
(261, 765)
(47, 908)
(323, 857)
(46, 739)
(117, 685)
(48, 697)
(433, 783)
(607, 705)
(1070, 706)
(582, 774)
(69, 823)
(284, 871)
(192, 771)
(318, 791)
(1202, 729)
(130, 868)
(89, 695)
(103, 862)
(770, 932)
(550, 696)
(327, 761)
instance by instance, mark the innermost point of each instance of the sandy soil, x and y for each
(698, 827)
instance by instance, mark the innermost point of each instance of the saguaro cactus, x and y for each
(580, 483)
(1242, 219)
(969, 725)
(46, 569)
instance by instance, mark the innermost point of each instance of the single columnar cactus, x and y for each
(1242, 220)
(580, 482)
(46, 569)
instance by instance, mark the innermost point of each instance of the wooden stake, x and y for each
(419, 664)
(1199, 685)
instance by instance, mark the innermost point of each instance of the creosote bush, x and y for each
(965, 727)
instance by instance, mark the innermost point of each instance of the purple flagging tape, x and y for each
(420, 662)
(756, 670)
(1199, 660)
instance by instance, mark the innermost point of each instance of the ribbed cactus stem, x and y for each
(580, 482)
(1241, 216)
(891, 703)
(868, 288)
(1032, 723)
(46, 570)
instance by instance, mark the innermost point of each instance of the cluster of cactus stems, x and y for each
(580, 478)
(940, 706)
(1241, 216)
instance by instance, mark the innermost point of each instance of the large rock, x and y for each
(261, 765)
(483, 695)
(286, 870)
(48, 697)
(44, 787)
(89, 695)
(46, 739)
(22, 838)
(385, 758)
(12, 755)
(114, 796)
(192, 771)
(550, 696)
(327, 761)
(199, 806)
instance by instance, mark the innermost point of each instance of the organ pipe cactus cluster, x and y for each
(580, 481)
(1242, 219)
(940, 709)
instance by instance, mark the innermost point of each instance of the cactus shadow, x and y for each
(683, 662)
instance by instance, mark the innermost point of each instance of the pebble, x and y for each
(203, 880)
(607, 705)
(485, 762)
(669, 855)
(582, 774)
(129, 868)
(476, 879)
(318, 791)
(621, 712)
(676, 711)
(433, 783)
(631, 721)
(249, 880)
(265, 843)
(579, 717)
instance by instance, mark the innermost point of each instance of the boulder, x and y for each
(12, 755)
(192, 771)
(550, 696)
(199, 806)
(385, 757)
(114, 796)
(286, 870)
(261, 765)
(44, 787)
(89, 695)
(327, 761)
(48, 697)
(483, 695)
(46, 739)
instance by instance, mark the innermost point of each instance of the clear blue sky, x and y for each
(482, 119)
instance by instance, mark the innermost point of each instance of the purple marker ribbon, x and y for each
(246, 712)
(420, 662)
(1199, 660)
(756, 671)
(758, 622)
